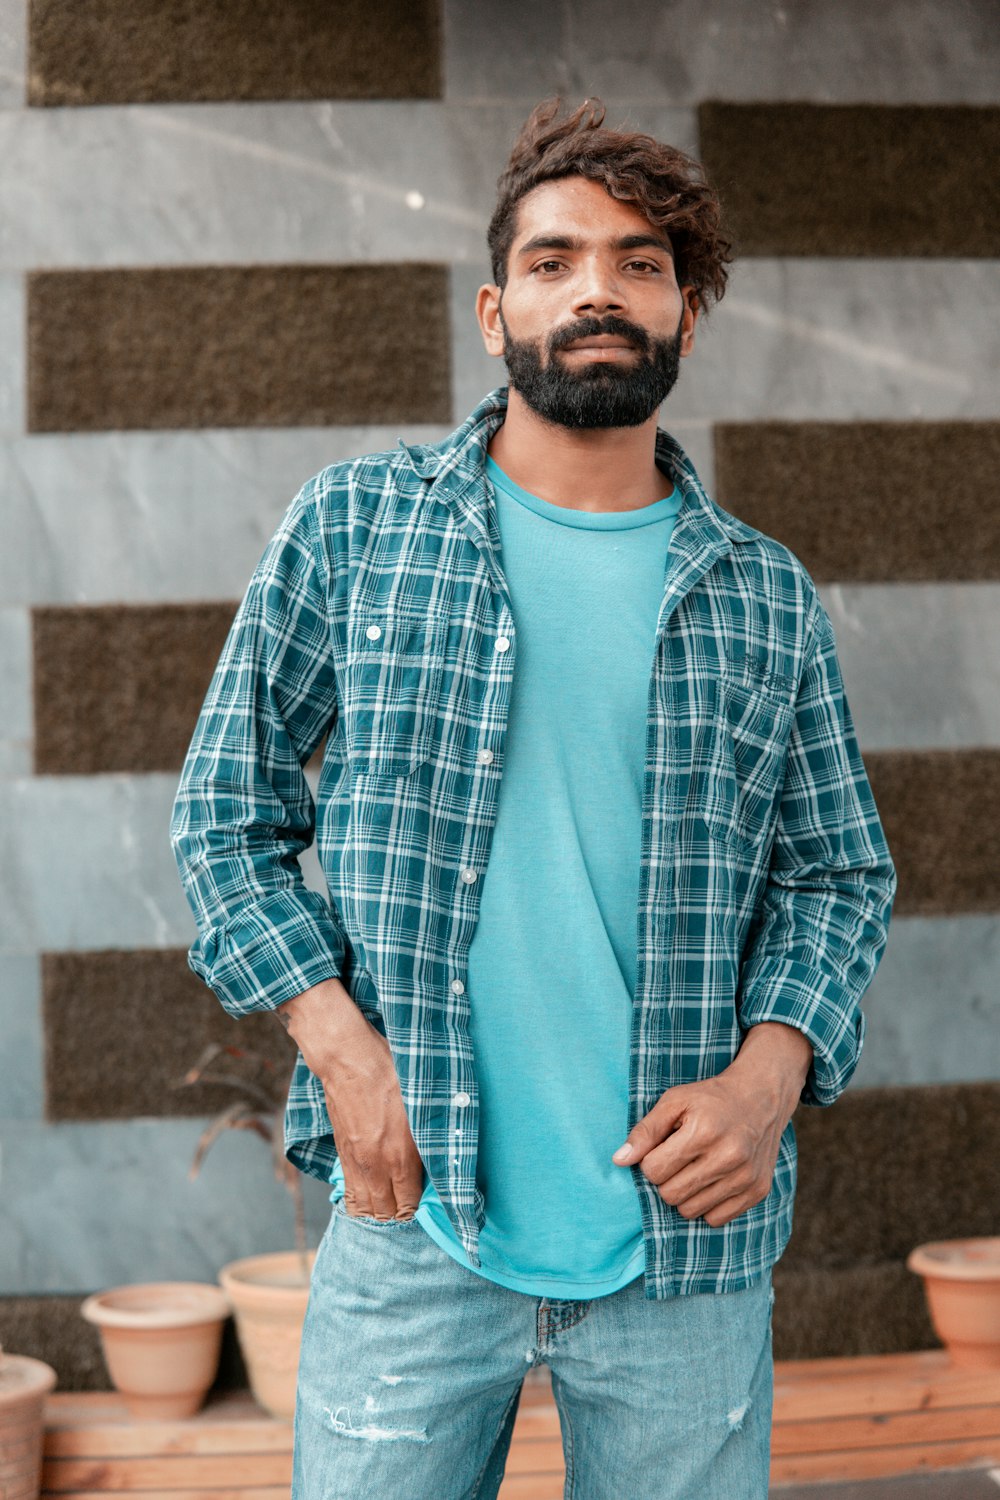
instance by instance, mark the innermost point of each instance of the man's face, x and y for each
(592, 322)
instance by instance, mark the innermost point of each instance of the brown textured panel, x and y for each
(238, 346)
(135, 51)
(119, 687)
(880, 1171)
(939, 809)
(875, 180)
(885, 1168)
(863, 1309)
(869, 501)
(122, 1027)
(51, 1328)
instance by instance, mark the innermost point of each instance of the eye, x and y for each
(545, 264)
(644, 265)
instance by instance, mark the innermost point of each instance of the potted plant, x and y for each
(161, 1342)
(268, 1293)
(962, 1286)
(24, 1385)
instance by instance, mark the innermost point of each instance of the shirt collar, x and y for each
(463, 454)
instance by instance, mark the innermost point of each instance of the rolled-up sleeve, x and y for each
(823, 922)
(244, 811)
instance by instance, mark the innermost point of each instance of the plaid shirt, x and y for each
(379, 617)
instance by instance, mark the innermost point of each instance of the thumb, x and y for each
(653, 1128)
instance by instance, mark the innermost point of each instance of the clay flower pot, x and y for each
(269, 1295)
(962, 1285)
(161, 1343)
(24, 1384)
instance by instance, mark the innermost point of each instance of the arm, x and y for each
(383, 1170)
(821, 929)
(243, 811)
(243, 815)
(711, 1147)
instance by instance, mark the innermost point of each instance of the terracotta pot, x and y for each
(962, 1285)
(161, 1342)
(269, 1295)
(24, 1384)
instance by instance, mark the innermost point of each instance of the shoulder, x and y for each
(367, 473)
(774, 564)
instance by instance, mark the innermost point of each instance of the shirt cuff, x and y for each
(271, 952)
(819, 1006)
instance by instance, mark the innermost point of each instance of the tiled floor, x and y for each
(969, 1484)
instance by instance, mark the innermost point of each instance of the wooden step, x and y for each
(834, 1419)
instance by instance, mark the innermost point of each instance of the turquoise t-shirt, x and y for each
(552, 964)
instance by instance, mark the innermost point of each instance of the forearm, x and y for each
(321, 1021)
(777, 1059)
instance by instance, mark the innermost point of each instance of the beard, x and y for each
(600, 394)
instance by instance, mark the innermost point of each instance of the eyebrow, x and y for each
(549, 241)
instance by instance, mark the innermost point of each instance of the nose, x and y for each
(597, 289)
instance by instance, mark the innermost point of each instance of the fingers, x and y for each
(652, 1128)
(381, 1191)
(697, 1194)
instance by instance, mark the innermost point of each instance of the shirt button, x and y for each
(484, 757)
(373, 632)
(461, 1100)
(501, 643)
(469, 876)
(457, 987)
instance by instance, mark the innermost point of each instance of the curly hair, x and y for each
(662, 182)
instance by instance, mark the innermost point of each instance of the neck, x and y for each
(597, 469)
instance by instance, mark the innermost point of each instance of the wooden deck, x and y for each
(833, 1419)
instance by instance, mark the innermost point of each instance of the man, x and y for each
(606, 881)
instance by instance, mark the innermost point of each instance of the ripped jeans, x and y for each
(412, 1366)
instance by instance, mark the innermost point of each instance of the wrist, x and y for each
(325, 1009)
(778, 1058)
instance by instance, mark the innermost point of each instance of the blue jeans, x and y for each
(412, 1365)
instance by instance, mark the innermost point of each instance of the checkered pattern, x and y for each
(377, 619)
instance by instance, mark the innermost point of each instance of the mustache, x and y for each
(592, 327)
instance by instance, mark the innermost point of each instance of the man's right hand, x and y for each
(383, 1172)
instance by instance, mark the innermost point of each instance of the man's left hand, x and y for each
(711, 1147)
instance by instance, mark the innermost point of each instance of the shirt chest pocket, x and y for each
(742, 771)
(393, 678)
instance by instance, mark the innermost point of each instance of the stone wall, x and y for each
(236, 246)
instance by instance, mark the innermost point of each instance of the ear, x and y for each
(692, 307)
(488, 315)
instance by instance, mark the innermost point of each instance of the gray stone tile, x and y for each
(920, 663)
(158, 516)
(934, 1006)
(13, 47)
(829, 50)
(144, 517)
(182, 184)
(832, 340)
(847, 340)
(15, 692)
(94, 867)
(22, 1089)
(91, 1206)
(12, 365)
(91, 865)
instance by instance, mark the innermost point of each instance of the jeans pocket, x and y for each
(369, 1221)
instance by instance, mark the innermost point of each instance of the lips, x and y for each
(600, 341)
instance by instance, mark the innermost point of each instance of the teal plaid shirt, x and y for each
(379, 619)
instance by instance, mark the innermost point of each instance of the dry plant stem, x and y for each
(254, 1112)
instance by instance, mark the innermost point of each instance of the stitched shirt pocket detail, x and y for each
(741, 790)
(394, 668)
